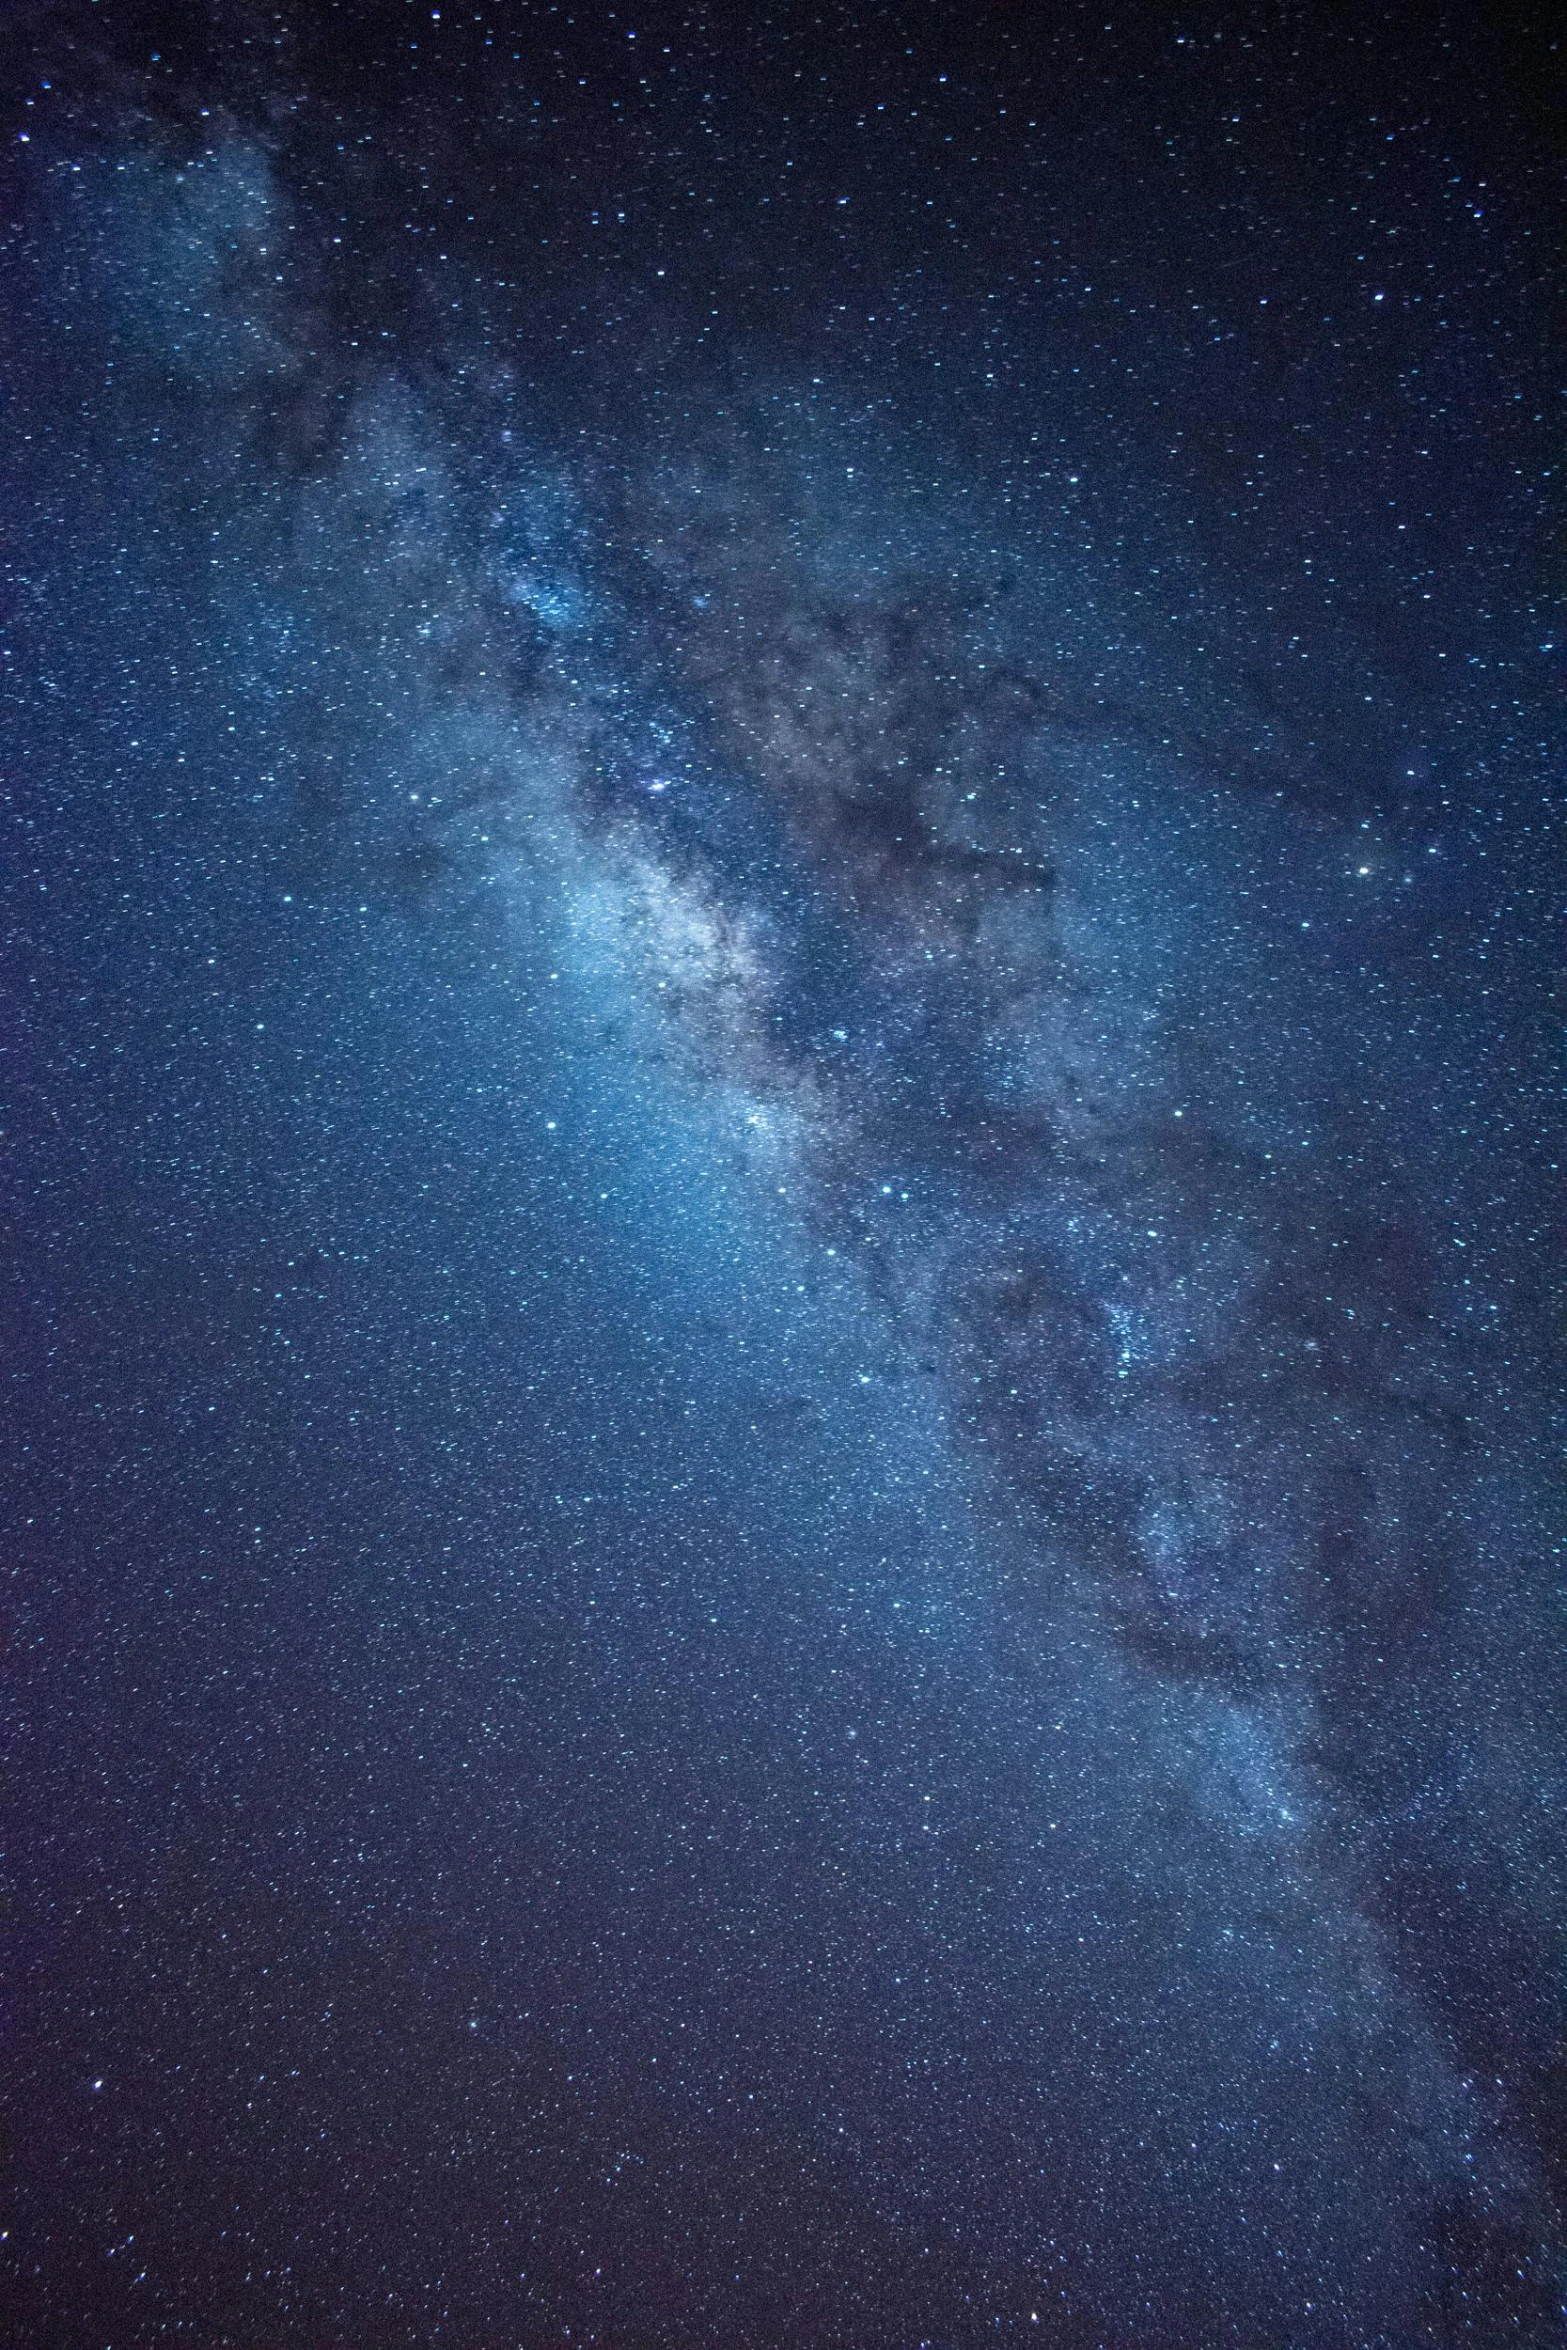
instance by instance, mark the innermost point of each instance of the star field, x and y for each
(783, 1460)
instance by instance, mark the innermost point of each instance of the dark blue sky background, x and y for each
(783, 1314)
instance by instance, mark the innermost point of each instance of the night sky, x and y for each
(783, 1308)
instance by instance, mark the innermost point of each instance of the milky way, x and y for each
(786, 1326)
